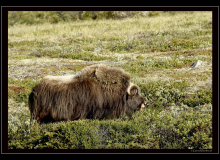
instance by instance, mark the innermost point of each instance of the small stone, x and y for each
(196, 64)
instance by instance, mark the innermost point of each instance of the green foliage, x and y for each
(178, 129)
(123, 46)
(163, 94)
(25, 83)
(137, 68)
(143, 67)
(20, 89)
(201, 97)
(69, 55)
(22, 97)
(153, 13)
(39, 17)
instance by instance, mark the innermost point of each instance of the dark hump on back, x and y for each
(109, 78)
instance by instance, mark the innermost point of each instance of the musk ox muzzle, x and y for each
(95, 92)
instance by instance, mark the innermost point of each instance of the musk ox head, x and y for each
(95, 92)
(134, 100)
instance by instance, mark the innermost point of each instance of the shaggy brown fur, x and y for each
(97, 91)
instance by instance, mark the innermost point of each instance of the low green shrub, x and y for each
(201, 97)
(22, 97)
(179, 127)
(163, 94)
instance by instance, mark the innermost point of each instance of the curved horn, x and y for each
(129, 88)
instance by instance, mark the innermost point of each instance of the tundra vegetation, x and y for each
(156, 48)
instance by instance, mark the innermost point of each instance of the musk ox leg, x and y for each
(46, 118)
(32, 103)
(36, 111)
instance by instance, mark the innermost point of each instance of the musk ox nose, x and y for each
(143, 105)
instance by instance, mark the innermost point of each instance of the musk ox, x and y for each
(95, 92)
